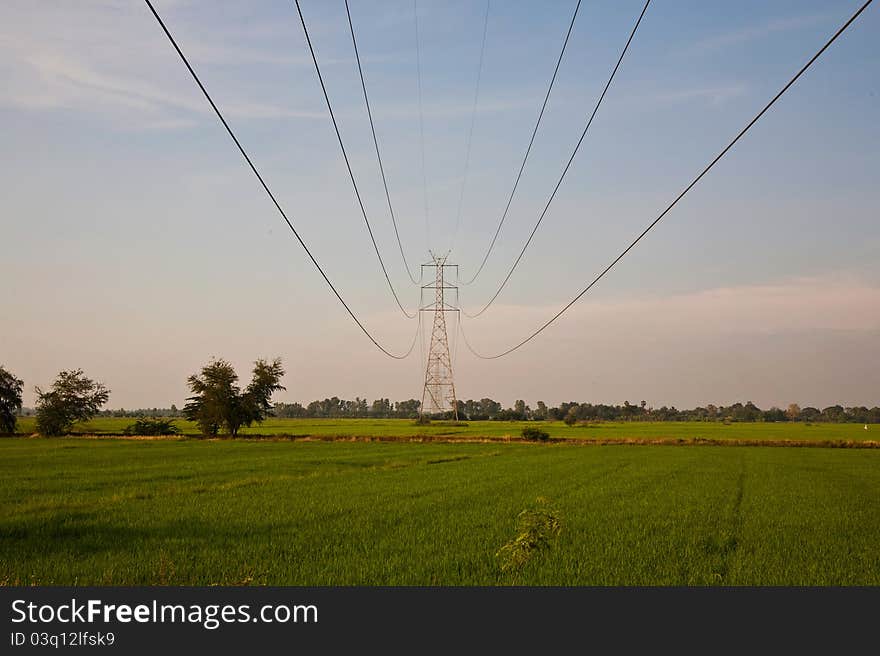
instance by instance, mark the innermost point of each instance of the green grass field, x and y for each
(557, 429)
(79, 511)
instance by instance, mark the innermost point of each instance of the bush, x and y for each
(535, 435)
(536, 529)
(147, 426)
(570, 417)
(423, 420)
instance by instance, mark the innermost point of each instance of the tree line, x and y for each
(219, 404)
(487, 409)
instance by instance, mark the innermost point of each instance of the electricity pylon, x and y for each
(438, 394)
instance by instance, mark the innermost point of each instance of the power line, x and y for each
(376, 144)
(467, 157)
(529, 149)
(268, 191)
(415, 337)
(421, 123)
(567, 166)
(681, 195)
(357, 192)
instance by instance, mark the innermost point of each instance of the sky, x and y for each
(136, 244)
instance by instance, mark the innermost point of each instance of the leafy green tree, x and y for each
(219, 402)
(72, 398)
(10, 400)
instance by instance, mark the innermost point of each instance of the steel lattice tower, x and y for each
(438, 394)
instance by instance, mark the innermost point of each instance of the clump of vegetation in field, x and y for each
(535, 434)
(423, 420)
(150, 426)
(536, 527)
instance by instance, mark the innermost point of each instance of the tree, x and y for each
(264, 383)
(10, 400)
(489, 408)
(793, 412)
(540, 411)
(408, 409)
(774, 414)
(218, 401)
(833, 413)
(381, 408)
(72, 398)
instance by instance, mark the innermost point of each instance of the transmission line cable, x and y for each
(357, 192)
(422, 125)
(268, 191)
(376, 144)
(455, 341)
(680, 195)
(467, 156)
(529, 148)
(567, 166)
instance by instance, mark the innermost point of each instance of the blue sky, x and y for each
(138, 244)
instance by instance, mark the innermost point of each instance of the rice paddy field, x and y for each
(637, 430)
(297, 512)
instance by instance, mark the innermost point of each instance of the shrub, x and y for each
(147, 426)
(535, 434)
(423, 420)
(536, 529)
(570, 417)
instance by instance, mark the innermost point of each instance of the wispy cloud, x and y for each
(654, 94)
(809, 304)
(101, 59)
(447, 110)
(713, 95)
(758, 31)
(70, 84)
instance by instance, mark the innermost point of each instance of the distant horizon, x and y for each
(531, 405)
